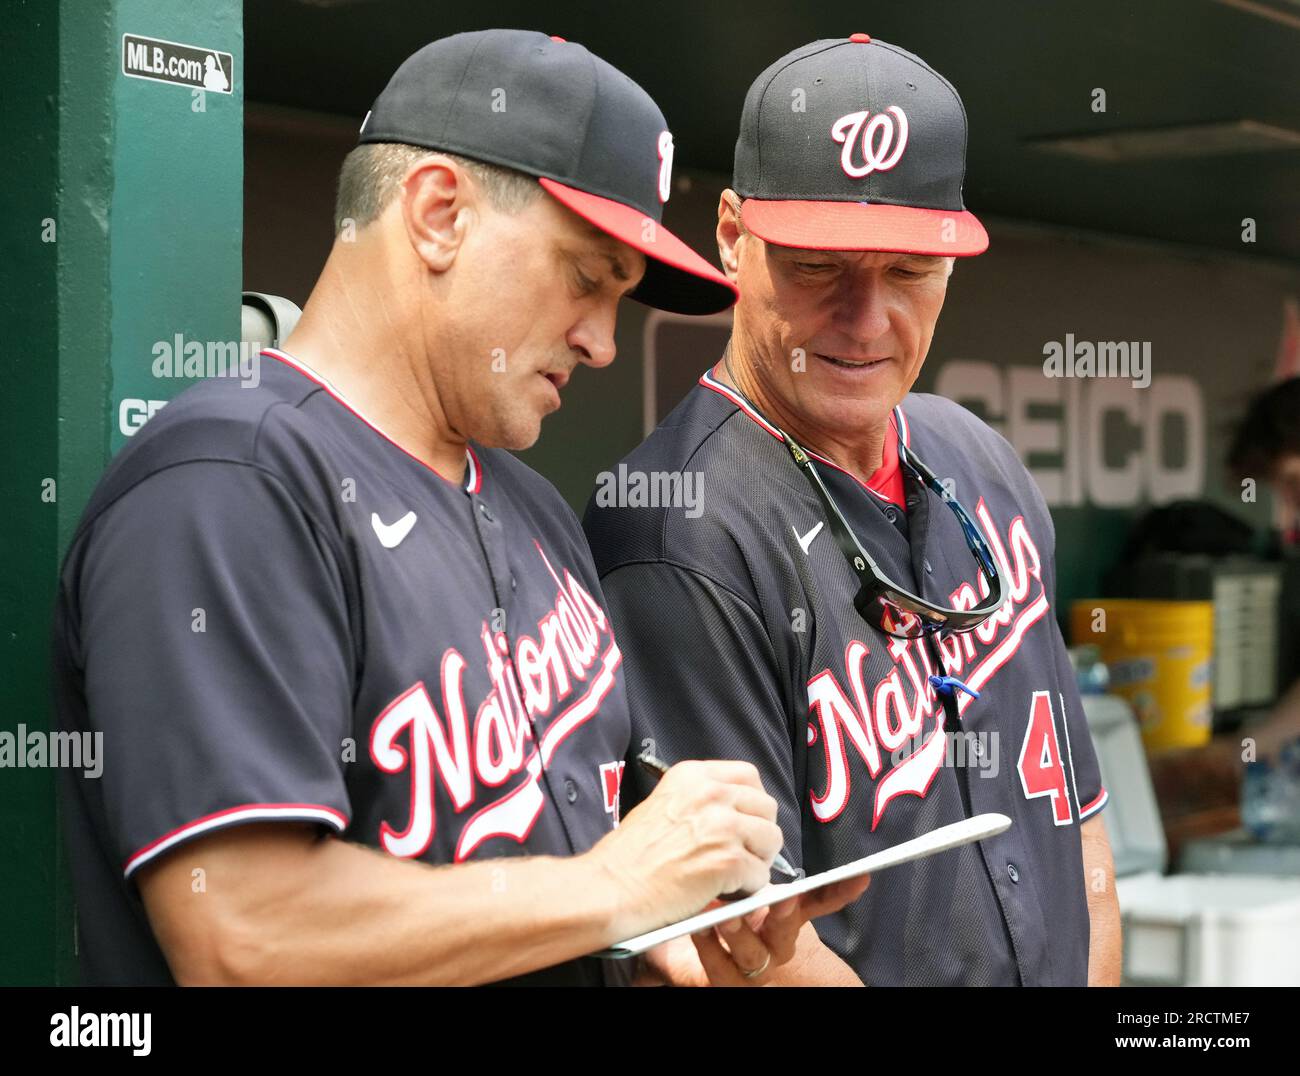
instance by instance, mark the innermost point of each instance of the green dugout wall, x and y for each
(122, 229)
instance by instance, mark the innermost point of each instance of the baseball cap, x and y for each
(855, 144)
(595, 140)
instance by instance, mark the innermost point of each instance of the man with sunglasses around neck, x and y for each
(863, 606)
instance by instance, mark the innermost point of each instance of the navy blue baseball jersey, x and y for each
(272, 612)
(740, 640)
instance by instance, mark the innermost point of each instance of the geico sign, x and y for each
(132, 414)
(1097, 441)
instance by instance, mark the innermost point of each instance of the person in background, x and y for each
(1266, 447)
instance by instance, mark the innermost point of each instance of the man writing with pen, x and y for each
(360, 699)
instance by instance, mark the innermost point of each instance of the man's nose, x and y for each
(593, 338)
(862, 307)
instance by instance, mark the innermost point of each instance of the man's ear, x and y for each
(438, 202)
(730, 231)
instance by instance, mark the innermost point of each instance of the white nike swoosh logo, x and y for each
(390, 535)
(806, 540)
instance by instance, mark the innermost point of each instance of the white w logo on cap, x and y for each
(882, 142)
(665, 165)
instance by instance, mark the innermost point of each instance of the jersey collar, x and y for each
(885, 483)
(473, 469)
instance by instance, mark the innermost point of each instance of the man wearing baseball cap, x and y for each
(863, 607)
(362, 710)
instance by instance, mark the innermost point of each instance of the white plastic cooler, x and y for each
(1184, 929)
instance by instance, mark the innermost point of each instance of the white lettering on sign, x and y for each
(132, 414)
(1108, 441)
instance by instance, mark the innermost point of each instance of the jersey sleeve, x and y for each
(1083, 769)
(702, 682)
(214, 640)
(1081, 755)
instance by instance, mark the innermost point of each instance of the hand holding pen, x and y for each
(656, 768)
(706, 826)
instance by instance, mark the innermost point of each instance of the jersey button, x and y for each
(571, 790)
(1012, 873)
(929, 567)
(891, 515)
(486, 512)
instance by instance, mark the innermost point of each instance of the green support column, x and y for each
(122, 240)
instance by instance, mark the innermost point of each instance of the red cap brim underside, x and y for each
(676, 278)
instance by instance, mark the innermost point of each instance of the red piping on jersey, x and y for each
(1093, 805)
(885, 483)
(474, 480)
(907, 429)
(280, 812)
(474, 477)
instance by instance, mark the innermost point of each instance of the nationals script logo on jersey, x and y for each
(892, 715)
(879, 141)
(572, 662)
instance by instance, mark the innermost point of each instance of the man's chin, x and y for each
(849, 413)
(516, 435)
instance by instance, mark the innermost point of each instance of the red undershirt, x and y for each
(887, 479)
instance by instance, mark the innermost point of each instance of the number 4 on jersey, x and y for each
(1042, 772)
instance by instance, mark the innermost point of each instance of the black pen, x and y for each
(657, 768)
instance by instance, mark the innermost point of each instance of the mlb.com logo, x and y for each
(182, 65)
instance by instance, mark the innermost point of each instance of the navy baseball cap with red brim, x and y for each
(873, 159)
(595, 140)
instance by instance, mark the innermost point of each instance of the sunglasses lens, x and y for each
(888, 616)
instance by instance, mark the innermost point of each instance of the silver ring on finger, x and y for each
(758, 971)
